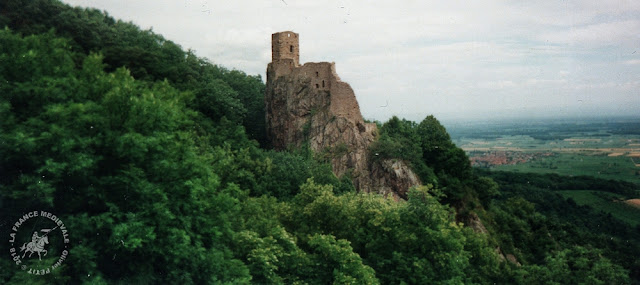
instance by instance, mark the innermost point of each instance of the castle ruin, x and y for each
(310, 104)
(322, 76)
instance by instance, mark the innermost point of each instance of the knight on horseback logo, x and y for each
(37, 244)
(39, 241)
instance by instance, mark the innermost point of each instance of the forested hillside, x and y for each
(157, 162)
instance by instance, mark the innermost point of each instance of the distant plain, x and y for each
(608, 149)
(602, 148)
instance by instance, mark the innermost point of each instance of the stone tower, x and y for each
(285, 45)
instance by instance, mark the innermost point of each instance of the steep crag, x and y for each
(310, 104)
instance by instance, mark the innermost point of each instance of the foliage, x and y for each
(117, 157)
(436, 160)
(152, 158)
(148, 56)
(413, 242)
(556, 223)
(577, 265)
(605, 202)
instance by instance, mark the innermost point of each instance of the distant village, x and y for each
(495, 158)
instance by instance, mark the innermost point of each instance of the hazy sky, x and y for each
(453, 59)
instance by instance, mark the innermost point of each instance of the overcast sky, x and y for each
(453, 59)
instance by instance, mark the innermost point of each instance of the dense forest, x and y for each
(158, 163)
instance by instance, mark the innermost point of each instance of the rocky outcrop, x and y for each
(473, 221)
(393, 178)
(309, 104)
(509, 257)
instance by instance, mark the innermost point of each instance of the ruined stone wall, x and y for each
(322, 76)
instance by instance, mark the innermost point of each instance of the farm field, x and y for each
(574, 164)
(608, 150)
(601, 149)
(606, 202)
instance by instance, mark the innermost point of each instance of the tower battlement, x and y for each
(285, 45)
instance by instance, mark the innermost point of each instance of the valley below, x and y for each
(604, 150)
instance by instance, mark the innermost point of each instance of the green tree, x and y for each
(119, 162)
(577, 265)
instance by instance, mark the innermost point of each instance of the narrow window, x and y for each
(322, 83)
(290, 48)
(317, 86)
(288, 35)
(317, 74)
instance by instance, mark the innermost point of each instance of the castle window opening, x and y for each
(322, 83)
(288, 35)
(317, 86)
(290, 48)
(317, 74)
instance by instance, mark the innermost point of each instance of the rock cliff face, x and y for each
(310, 104)
(392, 178)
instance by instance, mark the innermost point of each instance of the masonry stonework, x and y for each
(285, 45)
